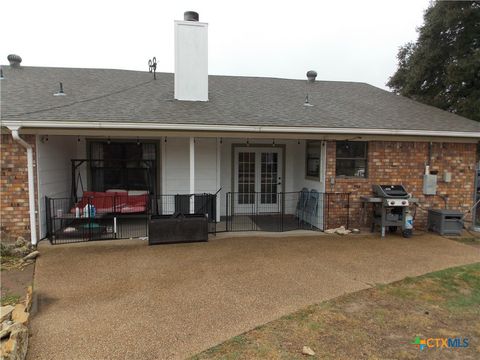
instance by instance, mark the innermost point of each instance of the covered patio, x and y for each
(253, 183)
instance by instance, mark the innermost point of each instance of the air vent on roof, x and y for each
(14, 60)
(311, 75)
(190, 16)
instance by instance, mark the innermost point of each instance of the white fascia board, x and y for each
(234, 128)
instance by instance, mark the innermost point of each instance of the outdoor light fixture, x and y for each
(273, 142)
(109, 141)
(78, 139)
(138, 141)
(1, 74)
(248, 143)
(221, 141)
(44, 138)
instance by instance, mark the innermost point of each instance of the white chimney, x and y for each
(191, 58)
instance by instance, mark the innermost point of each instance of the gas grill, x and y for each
(390, 205)
(392, 195)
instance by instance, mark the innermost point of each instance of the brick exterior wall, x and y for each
(396, 162)
(14, 211)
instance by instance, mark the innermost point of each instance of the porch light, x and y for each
(138, 141)
(273, 142)
(1, 74)
(109, 141)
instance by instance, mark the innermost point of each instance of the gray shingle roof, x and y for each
(133, 96)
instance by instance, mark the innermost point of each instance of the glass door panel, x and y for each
(246, 177)
(269, 178)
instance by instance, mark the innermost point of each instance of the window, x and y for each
(351, 158)
(312, 164)
(122, 165)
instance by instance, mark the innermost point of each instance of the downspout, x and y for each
(31, 184)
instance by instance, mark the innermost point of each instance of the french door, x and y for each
(258, 179)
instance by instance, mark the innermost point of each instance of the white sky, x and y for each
(342, 40)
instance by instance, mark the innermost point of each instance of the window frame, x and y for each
(307, 158)
(351, 158)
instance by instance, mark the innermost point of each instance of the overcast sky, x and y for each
(346, 40)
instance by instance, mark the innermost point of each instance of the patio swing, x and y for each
(99, 212)
(116, 199)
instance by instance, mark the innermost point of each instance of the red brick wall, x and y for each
(395, 162)
(14, 211)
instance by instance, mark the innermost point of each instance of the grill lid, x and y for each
(390, 191)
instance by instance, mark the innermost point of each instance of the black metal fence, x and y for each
(286, 211)
(337, 206)
(103, 216)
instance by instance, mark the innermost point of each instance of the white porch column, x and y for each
(192, 174)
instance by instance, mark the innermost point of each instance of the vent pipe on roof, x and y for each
(14, 60)
(311, 76)
(60, 91)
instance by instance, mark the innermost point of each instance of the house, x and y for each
(255, 142)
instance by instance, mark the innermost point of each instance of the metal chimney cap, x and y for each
(190, 16)
(311, 75)
(14, 60)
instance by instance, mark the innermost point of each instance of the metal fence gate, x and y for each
(286, 211)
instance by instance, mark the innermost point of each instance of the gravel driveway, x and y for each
(125, 300)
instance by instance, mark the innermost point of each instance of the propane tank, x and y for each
(408, 225)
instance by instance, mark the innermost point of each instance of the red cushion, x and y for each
(112, 202)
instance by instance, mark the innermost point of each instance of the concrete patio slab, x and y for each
(126, 300)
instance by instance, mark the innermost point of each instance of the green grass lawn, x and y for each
(377, 323)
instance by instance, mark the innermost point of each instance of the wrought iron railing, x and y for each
(285, 211)
(104, 216)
